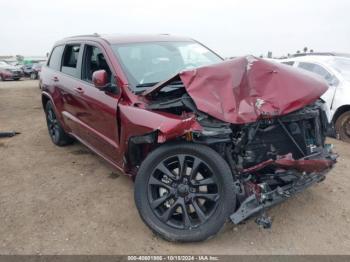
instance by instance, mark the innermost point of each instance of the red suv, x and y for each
(205, 139)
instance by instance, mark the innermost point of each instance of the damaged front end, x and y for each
(277, 158)
(266, 120)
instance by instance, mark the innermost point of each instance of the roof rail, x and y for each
(91, 35)
(315, 53)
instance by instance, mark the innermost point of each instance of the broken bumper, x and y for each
(257, 203)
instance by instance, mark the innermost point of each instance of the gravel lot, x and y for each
(69, 201)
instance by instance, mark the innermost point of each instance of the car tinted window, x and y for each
(288, 63)
(94, 60)
(55, 58)
(317, 69)
(70, 60)
(306, 66)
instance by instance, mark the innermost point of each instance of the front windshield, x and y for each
(342, 65)
(151, 62)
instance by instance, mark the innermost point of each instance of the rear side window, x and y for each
(306, 66)
(317, 69)
(55, 58)
(70, 60)
(288, 63)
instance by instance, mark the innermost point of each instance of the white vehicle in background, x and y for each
(336, 71)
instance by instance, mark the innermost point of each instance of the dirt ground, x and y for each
(69, 201)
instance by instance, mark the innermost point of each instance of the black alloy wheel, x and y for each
(58, 135)
(184, 192)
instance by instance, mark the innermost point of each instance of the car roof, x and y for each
(309, 58)
(130, 38)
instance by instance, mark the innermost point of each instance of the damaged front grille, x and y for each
(300, 133)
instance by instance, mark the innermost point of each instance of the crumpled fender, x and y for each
(138, 121)
(244, 89)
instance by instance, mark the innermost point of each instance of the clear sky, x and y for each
(229, 27)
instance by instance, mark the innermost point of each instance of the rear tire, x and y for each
(58, 136)
(198, 199)
(342, 127)
(33, 76)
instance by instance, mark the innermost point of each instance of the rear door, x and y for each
(50, 79)
(96, 110)
(70, 86)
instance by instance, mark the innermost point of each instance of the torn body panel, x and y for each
(245, 89)
(137, 125)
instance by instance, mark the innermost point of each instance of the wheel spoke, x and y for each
(166, 171)
(185, 216)
(204, 182)
(156, 182)
(169, 212)
(209, 196)
(49, 116)
(156, 203)
(195, 166)
(202, 217)
(182, 165)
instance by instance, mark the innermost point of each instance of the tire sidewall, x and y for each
(220, 215)
(339, 126)
(62, 137)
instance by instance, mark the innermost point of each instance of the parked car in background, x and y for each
(335, 70)
(36, 69)
(9, 72)
(205, 139)
(27, 69)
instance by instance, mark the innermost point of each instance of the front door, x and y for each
(97, 111)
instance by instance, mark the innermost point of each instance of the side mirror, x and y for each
(100, 79)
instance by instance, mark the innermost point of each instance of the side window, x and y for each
(94, 60)
(288, 63)
(322, 72)
(317, 69)
(306, 66)
(70, 60)
(55, 58)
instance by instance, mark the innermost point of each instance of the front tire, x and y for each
(184, 192)
(342, 127)
(58, 136)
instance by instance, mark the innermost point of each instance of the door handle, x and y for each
(55, 79)
(79, 89)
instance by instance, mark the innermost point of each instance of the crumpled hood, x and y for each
(244, 89)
